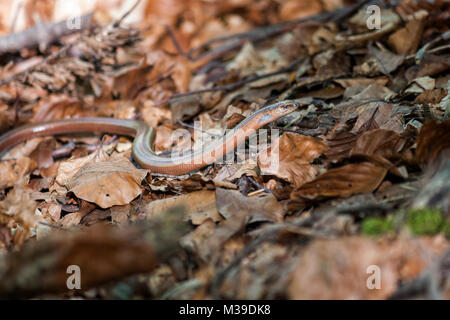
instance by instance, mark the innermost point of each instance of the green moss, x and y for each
(419, 221)
(377, 226)
(426, 221)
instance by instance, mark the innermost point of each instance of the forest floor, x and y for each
(357, 205)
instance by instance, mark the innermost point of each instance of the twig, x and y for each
(126, 14)
(41, 34)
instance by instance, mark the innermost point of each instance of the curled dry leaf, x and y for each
(257, 209)
(346, 261)
(234, 171)
(59, 107)
(381, 143)
(433, 138)
(43, 153)
(340, 144)
(290, 156)
(153, 116)
(19, 207)
(344, 181)
(377, 115)
(107, 183)
(12, 170)
(407, 39)
(199, 206)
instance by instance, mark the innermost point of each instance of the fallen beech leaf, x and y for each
(344, 181)
(294, 153)
(12, 170)
(386, 60)
(234, 171)
(20, 207)
(67, 169)
(340, 144)
(257, 209)
(196, 242)
(131, 80)
(433, 138)
(59, 107)
(431, 96)
(107, 183)
(199, 206)
(379, 116)
(43, 153)
(153, 116)
(338, 268)
(419, 85)
(207, 240)
(407, 39)
(23, 149)
(379, 142)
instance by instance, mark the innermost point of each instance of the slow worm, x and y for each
(144, 137)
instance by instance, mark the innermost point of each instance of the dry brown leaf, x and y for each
(344, 181)
(295, 153)
(154, 116)
(257, 209)
(292, 9)
(20, 207)
(340, 145)
(234, 171)
(407, 39)
(13, 170)
(199, 206)
(67, 169)
(43, 153)
(379, 142)
(59, 107)
(338, 268)
(378, 116)
(107, 183)
(433, 138)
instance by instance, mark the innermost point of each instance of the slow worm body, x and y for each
(144, 137)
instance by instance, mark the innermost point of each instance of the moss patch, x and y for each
(426, 221)
(377, 226)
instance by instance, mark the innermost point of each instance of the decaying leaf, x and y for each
(257, 208)
(290, 156)
(199, 206)
(344, 181)
(108, 183)
(67, 169)
(433, 138)
(381, 143)
(13, 170)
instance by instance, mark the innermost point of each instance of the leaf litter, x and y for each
(363, 172)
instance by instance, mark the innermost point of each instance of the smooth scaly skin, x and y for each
(145, 135)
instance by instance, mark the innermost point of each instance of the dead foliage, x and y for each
(362, 175)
